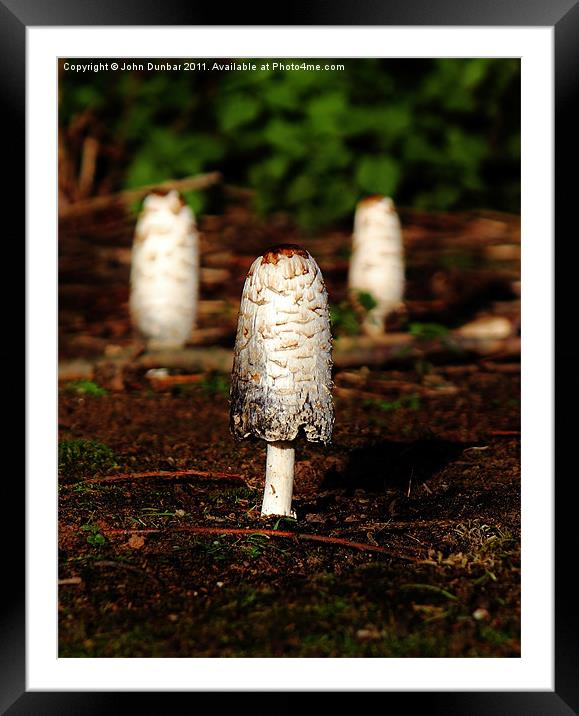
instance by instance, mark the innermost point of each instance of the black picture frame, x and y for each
(563, 17)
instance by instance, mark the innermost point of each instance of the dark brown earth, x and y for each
(424, 464)
(431, 482)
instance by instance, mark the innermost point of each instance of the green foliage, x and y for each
(85, 387)
(84, 458)
(366, 300)
(94, 537)
(343, 319)
(378, 175)
(436, 133)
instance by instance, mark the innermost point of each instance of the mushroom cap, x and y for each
(164, 212)
(377, 214)
(281, 380)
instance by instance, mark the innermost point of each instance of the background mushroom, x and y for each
(281, 380)
(165, 271)
(377, 263)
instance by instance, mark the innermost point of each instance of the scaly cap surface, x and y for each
(281, 380)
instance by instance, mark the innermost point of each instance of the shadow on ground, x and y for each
(393, 465)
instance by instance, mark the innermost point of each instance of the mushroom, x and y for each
(281, 381)
(165, 271)
(377, 264)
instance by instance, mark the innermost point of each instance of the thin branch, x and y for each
(90, 150)
(164, 475)
(73, 581)
(362, 546)
(78, 208)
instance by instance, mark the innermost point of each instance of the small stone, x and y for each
(157, 373)
(180, 513)
(220, 584)
(172, 617)
(368, 634)
(480, 615)
(136, 541)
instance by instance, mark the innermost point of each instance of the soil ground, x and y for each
(432, 482)
(424, 464)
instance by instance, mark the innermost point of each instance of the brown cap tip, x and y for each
(271, 255)
(376, 199)
(165, 192)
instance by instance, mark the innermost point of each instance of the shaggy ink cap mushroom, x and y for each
(281, 380)
(377, 263)
(165, 270)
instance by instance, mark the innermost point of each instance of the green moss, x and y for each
(85, 387)
(80, 458)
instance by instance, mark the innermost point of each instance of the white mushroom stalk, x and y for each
(377, 263)
(165, 271)
(281, 383)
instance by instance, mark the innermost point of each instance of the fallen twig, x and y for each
(362, 546)
(358, 394)
(73, 581)
(165, 475)
(97, 203)
(500, 367)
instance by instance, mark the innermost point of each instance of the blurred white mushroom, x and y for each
(165, 271)
(281, 381)
(377, 263)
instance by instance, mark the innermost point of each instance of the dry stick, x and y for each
(165, 475)
(79, 208)
(270, 533)
(90, 151)
(69, 580)
(410, 388)
(347, 354)
(203, 359)
(504, 433)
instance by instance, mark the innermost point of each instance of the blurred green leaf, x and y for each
(378, 175)
(435, 133)
(237, 110)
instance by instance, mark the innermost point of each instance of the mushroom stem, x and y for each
(279, 479)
